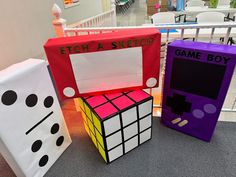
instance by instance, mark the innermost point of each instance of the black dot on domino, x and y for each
(31, 100)
(60, 140)
(36, 145)
(9, 97)
(55, 128)
(48, 101)
(43, 161)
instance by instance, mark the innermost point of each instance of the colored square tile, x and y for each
(105, 110)
(84, 116)
(130, 131)
(88, 112)
(138, 95)
(114, 140)
(91, 127)
(99, 138)
(145, 123)
(131, 144)
(115, 153)
(79, 101)
(111, 125)
(123, 102)
(102, 152)
(86, 129)
(94, 140)
(145, 108)
(129, 116)
(113, 95)
(97, 123)
(146, 135)
(96, 100)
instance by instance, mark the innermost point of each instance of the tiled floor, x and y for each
(136, 15)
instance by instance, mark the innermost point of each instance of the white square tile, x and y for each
(129, 116)
(146, 135)
(145, 123)
(114, 140)
(130, 131)
(115, 153)
(111, 125)
(131, 144)
(145, 108)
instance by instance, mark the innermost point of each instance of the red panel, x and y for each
(59, 49)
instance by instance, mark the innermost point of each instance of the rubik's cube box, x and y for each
(119, 122)
(112, 62)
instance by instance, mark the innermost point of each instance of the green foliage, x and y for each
(213, 3)
(233, 4)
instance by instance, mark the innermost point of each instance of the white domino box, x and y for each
(33, 133)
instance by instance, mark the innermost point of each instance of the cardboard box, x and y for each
(197, 78)
(152, 2)
(151, 10)
(33, 131)
(164, 2)
(163, 8)
(118, 123)
(97, 64)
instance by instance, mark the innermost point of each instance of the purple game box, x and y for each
(197, 78)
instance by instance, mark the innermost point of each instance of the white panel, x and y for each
(107, 70)
(145, 123)
(114, 140)
(115, 153)
(130, 131)
(145, 108)
(131, 144)
(144, 136)
(129, 116)
(34, 131)
(111, 125)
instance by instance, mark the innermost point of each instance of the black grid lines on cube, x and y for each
(102, 127)
(91, 131)
(122, 127)
(97, 141)
(121, 123)
(82, 106)
(108, 100)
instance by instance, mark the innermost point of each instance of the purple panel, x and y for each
(197, 78)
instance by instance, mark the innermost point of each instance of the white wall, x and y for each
(26, 25)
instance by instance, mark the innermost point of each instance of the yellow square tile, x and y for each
(94, 139)
(91, 126)
(84, 116)
(99, 138)
(80, 102)
(97, 123)
(86, 128)
(88, 112)
(102, 152)
(77, 104)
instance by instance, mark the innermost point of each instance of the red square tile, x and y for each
(105, 110)
(96, 100)
(138, 95)
(123, 102)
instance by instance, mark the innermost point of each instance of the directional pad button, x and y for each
(178, 104)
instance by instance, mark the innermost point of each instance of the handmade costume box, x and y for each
(197, 78)
(99, 63)
(117, 123)
(33, 133)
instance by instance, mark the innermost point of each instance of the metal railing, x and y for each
(208, 32)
